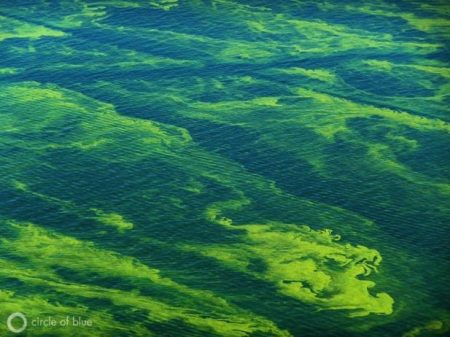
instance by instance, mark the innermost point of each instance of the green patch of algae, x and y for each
(44, 250)
(351, 109)
(316, 74)
(113, 219)
(309, 265)
(324, 109)
(300, 271)
(8, 71)
(12, 28)
(434, 327)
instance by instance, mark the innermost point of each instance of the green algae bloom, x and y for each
(225, 168)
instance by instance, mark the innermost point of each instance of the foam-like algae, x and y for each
(308, 265)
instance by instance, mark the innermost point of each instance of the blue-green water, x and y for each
(225, 168)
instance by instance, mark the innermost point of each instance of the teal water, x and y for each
(225, 168)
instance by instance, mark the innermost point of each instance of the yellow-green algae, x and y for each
(164, 4)
(12, 28)
(435, 327)
(426, 24)
(45, 250)
(326, 114)
(90, 116)
(352, 109)
(308, 265)
(256, 44)
(113, 219)
(99, 119)
(8, 71)
(316, 74)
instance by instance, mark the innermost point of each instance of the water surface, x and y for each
(225, 168)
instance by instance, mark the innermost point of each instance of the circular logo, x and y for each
(20, 316)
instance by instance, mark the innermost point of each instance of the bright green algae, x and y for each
(225, 169)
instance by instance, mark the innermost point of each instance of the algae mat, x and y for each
(224, 168)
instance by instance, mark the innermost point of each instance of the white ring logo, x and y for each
(12, 317)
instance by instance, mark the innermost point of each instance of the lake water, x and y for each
(224, 168)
